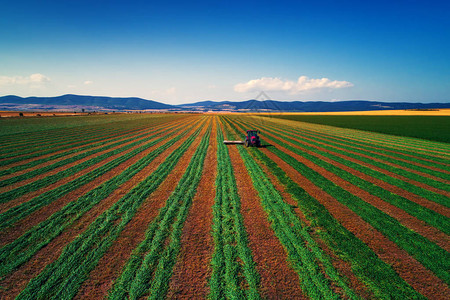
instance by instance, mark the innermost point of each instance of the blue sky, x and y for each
(178, 52)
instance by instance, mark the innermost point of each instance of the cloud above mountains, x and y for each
(303, 84)
(36, 78)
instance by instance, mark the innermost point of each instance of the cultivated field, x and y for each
(156, 206)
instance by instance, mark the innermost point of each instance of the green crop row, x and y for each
(18, 212)
(52, 148)
(429, 254)
(23, 146)
(387, 150)
(43, 182)
(15, 127)
(56, 138)
(230, 237)
(67, 140)
(381, 279)
(72, 159)
(23, 248)
(62, 278)
(149, 269)
(372, 141)
(304, 253)
(433, 128)
(343, 149)
(29, 139)
(88, 145)
(377, 191)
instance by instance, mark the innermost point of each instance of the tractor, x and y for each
(252, 139)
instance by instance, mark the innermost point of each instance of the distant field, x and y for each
(434, 128)
(137, 206)
(19, 125)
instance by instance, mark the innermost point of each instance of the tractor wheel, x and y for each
(246, 143)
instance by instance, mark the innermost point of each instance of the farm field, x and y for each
(139, 206)
(432, 125)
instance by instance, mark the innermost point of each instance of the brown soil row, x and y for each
(390, 163)
(122, 136)
(41, 165)
(346, 139)
(69, 165)
(391, 144)
(392, 188)
(278, 279)
(420, 278)
(27, 197)
(111, 264)
(15, 282)
(10, 234)
(46, 137)
(24, 161)
(343, 133)
(134, 132)
(406, 219)
(192, 270)
(302, 139)
(343, 267)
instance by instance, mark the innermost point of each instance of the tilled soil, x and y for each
(278, 279)
(28, 196)
(192, 271)
(66, 166)
(17, 280)
(111, 264)
(10, 234)
(41, 165)
(392, 188)
(343, 267)
(420, 278)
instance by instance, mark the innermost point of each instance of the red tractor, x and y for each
(252, 138)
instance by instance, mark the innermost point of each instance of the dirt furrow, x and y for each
(408, 220)
(67, 166)
(41, 165)
(278, 279)
(111, 264)
(301, 138)
(365, 136)
(25, 161)
(343, 267)
(347, 139)
(392, 188)
(420, 278)
(19, 146)
(134, 132)
(10, 234)
(15, 282)
(192, 270)
(30, 195)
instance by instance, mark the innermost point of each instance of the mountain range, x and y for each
(77, 102)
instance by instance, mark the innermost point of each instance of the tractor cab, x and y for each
(252, 138)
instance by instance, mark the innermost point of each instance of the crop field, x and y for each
(156, 206)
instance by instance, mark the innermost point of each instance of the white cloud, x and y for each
(171, 91)
(33, 79)
(88, 82)
(293, 87)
